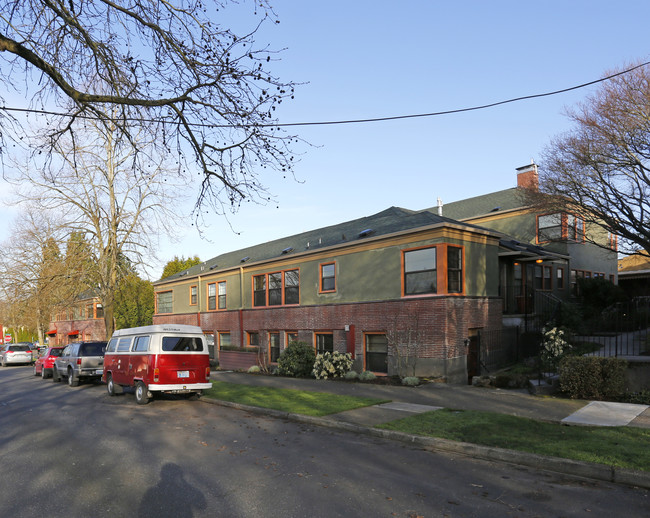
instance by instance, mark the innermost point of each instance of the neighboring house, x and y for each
(438, 278)
(634, 275)
(84, 320)
(359, 287)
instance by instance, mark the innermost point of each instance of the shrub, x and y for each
(553, 348)
(351, 375)
(253, 369)
(297, 360)
(367, 376)
(411, 381)
(332, 365)
(590, 377)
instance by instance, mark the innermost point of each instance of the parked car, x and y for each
(80, 361)
(45, 361)
(170, 358)
(20, 352)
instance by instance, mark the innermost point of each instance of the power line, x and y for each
(361, 121)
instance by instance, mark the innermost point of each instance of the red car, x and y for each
(45, 361)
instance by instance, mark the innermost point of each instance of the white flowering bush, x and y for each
(332, 365)
(554, 347)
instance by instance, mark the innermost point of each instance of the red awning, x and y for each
(51, 332)
(75, 332)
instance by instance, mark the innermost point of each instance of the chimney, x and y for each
(439, 207)
(527, 176)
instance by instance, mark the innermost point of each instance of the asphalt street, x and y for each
(77, 452)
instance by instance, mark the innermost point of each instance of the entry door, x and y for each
(473, 356)
(377, 353)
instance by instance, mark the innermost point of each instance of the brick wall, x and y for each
(442, 323)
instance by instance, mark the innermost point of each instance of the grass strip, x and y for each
(288, 400)
(625, 447)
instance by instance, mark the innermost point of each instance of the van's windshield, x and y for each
(182, 343)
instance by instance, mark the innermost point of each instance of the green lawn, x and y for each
(626, 447)
(288, 400)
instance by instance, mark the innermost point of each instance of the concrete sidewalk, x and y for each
(406, 401)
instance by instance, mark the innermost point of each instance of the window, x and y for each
(324, 343)
(376, 354)
(549, 227)
(124, 344)
(292, 287)
(182, 343)
(224, 339)
(194, 295)
(222, 295)
(560, 226)
(283, 288)
(164, 302)
(274, 347)
(253, 338)
(112, 345)
(275, 289)
(420, 271)
(537, 283)
(259, 290)
(212, 296)
(559, 276)
(575, 228)
(141, 344)
(328, 277)
(454, 269)
(99, 310)
(291, 336)
(548, 278)
(90, 311)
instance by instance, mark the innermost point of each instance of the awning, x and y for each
(74, 332)
(51, 332)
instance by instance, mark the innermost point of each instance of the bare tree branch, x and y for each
(167, 68)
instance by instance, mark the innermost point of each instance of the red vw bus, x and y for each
(160, 358)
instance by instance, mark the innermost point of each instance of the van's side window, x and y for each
(141, 344)
(182, 343)
(112, 345)
(124, 344)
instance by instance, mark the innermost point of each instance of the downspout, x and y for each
(241, 306)
(198, 302)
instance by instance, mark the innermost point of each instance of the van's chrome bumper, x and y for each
(178, 386)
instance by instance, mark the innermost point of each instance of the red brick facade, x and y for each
(88, 329)
(442, 323)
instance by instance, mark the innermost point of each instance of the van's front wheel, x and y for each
(141, 393)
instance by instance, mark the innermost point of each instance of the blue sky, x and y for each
(367, 59)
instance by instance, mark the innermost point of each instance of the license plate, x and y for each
(183, 374)
(99, 371)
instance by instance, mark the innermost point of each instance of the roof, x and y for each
(634, 263)
(516, 248)
(498, 201)
(389, 221)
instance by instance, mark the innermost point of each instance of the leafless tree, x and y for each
(168, 72)
(34, 276)
(111, 200)
(600, 170)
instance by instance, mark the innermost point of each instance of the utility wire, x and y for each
(375, 119)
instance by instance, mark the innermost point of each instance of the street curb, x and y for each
(575, 468)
